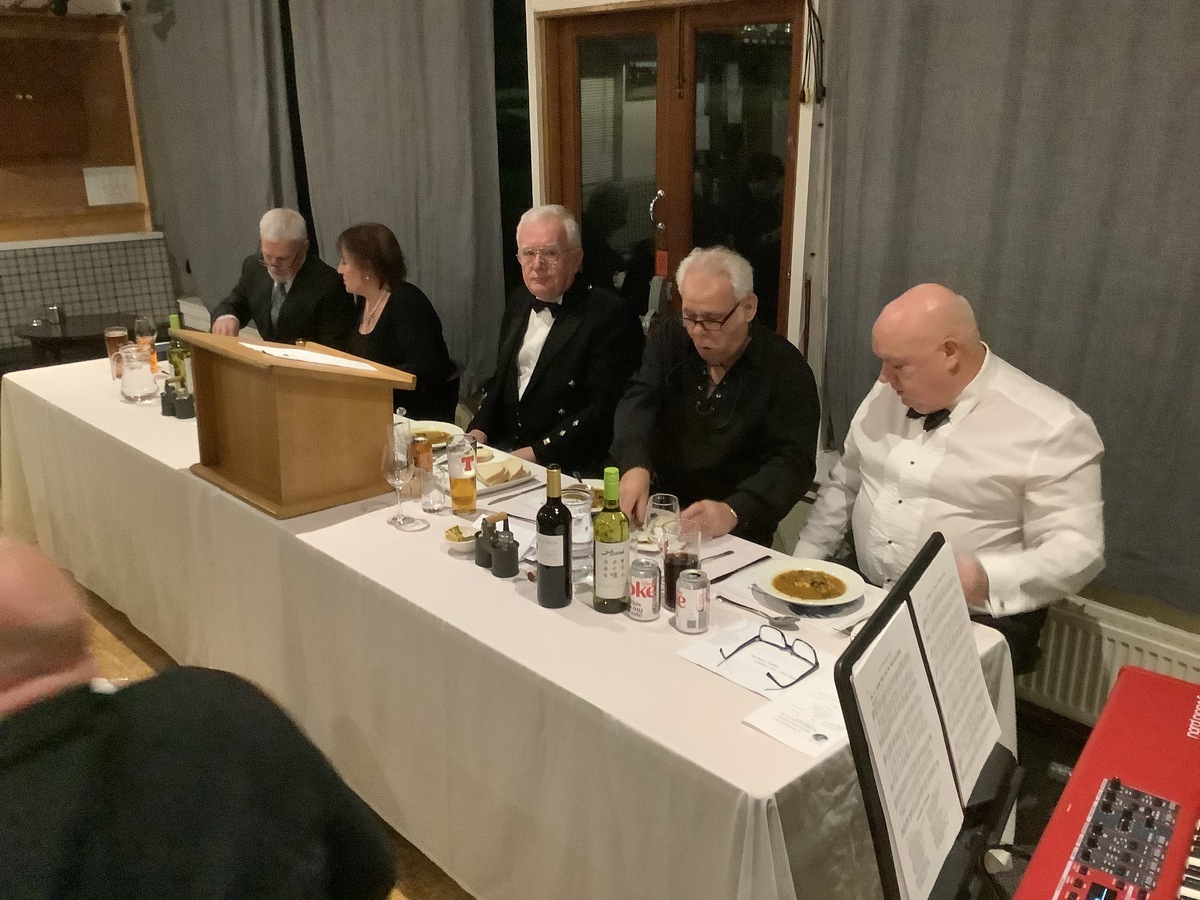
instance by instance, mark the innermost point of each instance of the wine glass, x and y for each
(660, 510)
(398, 470)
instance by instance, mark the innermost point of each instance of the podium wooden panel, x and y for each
(287, 436)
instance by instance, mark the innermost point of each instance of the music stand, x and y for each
(995, 791)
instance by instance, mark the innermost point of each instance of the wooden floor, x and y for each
(123, 652)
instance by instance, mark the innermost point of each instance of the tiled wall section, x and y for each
(118, 276)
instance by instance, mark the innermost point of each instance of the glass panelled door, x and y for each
(742, 80)
(618, 139)
(672, 128)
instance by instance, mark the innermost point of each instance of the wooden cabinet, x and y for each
(66, 104)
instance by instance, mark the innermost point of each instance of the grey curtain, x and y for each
(1041, 158)
(397, 105)
(211, 106)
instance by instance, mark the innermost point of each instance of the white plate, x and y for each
(424, 425)
(767, 572)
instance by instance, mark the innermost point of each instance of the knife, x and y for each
(732, 572)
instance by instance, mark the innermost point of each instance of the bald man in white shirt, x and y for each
(954, 439)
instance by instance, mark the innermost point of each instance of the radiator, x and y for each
(1085, 643)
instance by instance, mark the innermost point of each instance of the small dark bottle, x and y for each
(505, 563)
(553, 545)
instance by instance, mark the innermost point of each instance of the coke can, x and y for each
(691, 602)
(644, 603)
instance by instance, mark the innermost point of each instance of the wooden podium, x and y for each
(289, 436)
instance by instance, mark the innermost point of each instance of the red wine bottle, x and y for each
(553, 545)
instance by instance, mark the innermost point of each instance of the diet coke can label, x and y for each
(691, 602)
(644, 601)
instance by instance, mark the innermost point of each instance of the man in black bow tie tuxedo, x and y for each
(290, 295)
(566, 351)
(954, 439)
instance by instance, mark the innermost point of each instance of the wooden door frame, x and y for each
(557, 31)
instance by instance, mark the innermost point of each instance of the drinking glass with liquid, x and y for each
(578, 501)
(460, 462)
(681, 550)
(145, 332)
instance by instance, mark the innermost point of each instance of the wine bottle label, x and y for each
(550, 550)
(612, 569)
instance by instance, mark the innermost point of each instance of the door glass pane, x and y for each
(742, 80)
(618, 79)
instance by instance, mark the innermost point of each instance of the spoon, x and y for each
(786, 623)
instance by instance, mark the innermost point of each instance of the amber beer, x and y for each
(115, 337)
(461, 465)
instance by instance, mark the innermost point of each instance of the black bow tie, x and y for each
(933, 419)
(541, 305)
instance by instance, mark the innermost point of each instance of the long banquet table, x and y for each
(530, 753)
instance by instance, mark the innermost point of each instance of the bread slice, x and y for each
(492, 473)
(514, 469)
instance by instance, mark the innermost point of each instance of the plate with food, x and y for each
(807, 583)
(460, 539)
(439, 433)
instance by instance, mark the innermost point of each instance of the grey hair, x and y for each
(721, 260)
(282, 225)
(554, 211)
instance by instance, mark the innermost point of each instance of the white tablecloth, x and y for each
(530, 753)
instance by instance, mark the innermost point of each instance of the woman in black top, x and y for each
(397, 325)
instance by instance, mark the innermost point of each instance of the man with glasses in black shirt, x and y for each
(723, 412)
(290, 295)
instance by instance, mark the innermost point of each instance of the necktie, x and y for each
(540, 305)
(933, 419)
(278, 295)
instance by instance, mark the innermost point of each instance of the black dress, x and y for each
(408, 336)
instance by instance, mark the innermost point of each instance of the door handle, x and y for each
(658, 226)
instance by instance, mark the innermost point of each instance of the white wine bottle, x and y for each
(179, 355)
(554, 545)
(611, 548)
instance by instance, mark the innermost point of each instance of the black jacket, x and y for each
(189, 785)
(317, 307)
(566, 414)
(751, 444)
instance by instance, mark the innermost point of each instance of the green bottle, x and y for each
(611, 569)
(179, 355)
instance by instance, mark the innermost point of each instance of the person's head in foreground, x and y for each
(43, 629)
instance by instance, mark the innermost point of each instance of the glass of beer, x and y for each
(681, 550)
(460, 458)
(115, 337)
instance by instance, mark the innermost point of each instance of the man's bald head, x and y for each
(928, 346)
(43, 629)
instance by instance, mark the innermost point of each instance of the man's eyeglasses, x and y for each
(798, 648)
(277, 261)
(529, 255)
(689, 322)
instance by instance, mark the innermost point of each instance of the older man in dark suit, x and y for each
(567, 349)
(290, 295)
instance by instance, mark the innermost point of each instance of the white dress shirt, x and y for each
(536, 333)
(1013, 478)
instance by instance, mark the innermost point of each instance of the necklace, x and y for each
(371, 312)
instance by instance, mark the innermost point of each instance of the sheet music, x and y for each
(972, 728)
(912, 768)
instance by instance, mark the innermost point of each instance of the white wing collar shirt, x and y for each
(1013, 477)
(536, 332)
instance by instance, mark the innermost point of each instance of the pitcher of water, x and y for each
(137, 378)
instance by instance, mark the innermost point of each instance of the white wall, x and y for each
(802, 241)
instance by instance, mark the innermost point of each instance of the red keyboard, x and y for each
(1127, 826)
